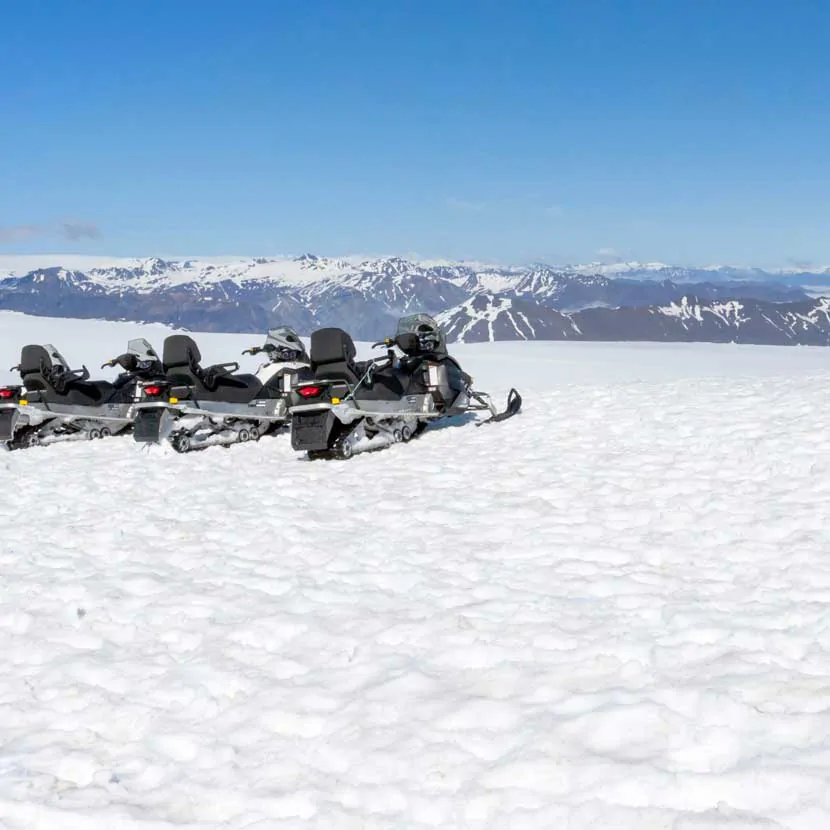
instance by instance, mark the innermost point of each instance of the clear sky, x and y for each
(693, 131)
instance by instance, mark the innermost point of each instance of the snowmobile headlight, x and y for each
(173, 400)
(23, 402)
(335, 400)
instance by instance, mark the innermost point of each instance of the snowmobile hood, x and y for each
(285, 341)
(430, 335)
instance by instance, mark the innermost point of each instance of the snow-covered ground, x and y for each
(612, 611)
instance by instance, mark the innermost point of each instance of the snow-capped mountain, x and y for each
(490, 317)
(367, 295)
(377, 293)
(708, 273)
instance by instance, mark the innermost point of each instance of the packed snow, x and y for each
(612, 611)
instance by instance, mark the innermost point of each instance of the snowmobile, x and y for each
(195, 407)
(54, 403)
(350, 407)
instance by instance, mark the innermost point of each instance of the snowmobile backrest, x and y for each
(331, 346)
(33, 360)
(180, 351)
(35, 365)
(332, 356)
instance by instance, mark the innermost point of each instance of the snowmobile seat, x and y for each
(38, 374)
(332, 356)
(181, 358)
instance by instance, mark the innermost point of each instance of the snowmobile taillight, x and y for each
(6, 394)
(309, 391)
(152, 391)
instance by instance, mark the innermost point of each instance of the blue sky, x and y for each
(690, 131)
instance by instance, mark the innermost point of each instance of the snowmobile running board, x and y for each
(514, 406)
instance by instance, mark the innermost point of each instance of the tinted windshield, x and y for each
(141, 349)
(56, 356)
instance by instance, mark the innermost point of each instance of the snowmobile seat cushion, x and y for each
(338, 371)
(385, 386)
(332, 346)
(88, 393)
(180, 351)
(33, 359)
(104, 387)
(231, 389)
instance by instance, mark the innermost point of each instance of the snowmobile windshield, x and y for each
(56, 357)
(141, 349)
(430, 336)
(283, 343)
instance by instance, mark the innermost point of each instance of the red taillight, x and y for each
(5, 394)
(309, 391)
(152, 391)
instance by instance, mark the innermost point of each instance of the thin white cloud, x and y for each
(15, 234)
(71, 230)
(74, 231)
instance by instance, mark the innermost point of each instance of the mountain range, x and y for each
(474, 301)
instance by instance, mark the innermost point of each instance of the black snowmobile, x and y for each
(350, 407)
(195, 407)
(55, 403)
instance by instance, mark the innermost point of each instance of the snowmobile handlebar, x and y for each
(132, 365)
(387, 341)
(268, 348)
(126, 361)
